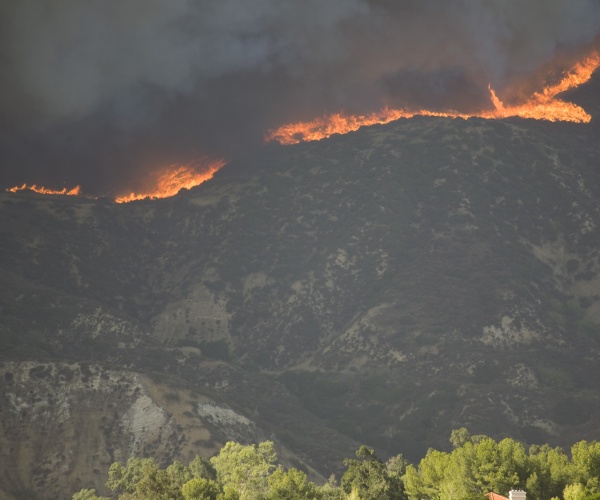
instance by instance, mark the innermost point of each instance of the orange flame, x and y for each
(541, 106)
(76, 191)
(175, 178)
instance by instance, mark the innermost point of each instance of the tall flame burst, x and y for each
(174, 178)
(76, 191)
(541, 106)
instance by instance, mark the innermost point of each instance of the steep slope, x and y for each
(383, 287)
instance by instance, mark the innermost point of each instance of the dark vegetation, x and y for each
(382, 287)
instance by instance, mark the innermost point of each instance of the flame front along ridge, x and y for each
(76, 191)
(174, 179)
(541, 105)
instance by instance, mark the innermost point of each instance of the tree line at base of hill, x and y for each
(476, 465)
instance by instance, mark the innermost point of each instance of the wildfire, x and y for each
(542, 105)
(175, 178)
(76, 191)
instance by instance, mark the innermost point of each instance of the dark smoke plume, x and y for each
(99, 92)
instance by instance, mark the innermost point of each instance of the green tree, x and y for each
(460, 437)
(331, 490)
(550, 472)
(477, 465)
(586, 461)
(245, 469)
(158, 485)
(125, 477)
(201, 468)
(291, 484)
(179, 474)
(396, 466)
(141, 478)
(87, 494)
(369, 477)
(425, 481)
(199, 488)
(574, 491)
(484, 465)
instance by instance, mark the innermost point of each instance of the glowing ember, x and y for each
(541, 106)
(175, 178)
(76, 191)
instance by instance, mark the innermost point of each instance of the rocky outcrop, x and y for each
(62, 421)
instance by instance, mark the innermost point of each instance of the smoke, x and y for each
(99, 92)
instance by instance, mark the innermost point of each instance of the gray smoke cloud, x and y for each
(98, 92)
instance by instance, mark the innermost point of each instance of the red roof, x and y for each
(495, 496)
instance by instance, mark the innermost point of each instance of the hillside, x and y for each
(381, 287)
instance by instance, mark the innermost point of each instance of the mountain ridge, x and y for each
(384, 287)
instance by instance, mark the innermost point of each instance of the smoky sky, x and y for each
(102, 92)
